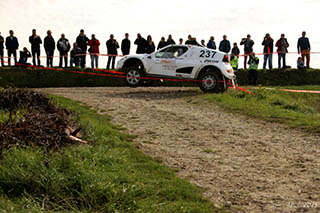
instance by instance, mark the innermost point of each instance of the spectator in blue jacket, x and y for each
(304, 48)
(225, 45)
(12, 45)
(211, 44)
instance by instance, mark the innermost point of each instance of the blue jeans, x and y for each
(267, 57)
(94, 58)
(75, 61)
(283, 57)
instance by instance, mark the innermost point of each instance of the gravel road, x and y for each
(256, 165)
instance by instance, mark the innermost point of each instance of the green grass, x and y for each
(109, 175)
(294, 109)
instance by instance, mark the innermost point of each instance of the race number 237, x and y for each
(207, 54)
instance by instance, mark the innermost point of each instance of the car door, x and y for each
(163, 62)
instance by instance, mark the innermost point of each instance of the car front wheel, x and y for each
(211, 82)
(133, 77)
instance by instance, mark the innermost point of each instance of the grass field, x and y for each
(109, 175)
(294, 109)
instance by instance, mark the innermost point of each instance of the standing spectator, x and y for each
(235, 50)
(282, 45)
(253, 69)
(94, 50)
(35, 42)
(150, 48)
(141, 44)
(248, 48)
(12, 45)
(1, 49)
(75, 55)
(24, 55)
(82, 43)
(225, 45)
(162, 43)
(203, 43)
(181, 41)
(170, 40)
(211, 43)
(125, 45)
(189, 41)
(194, 41)
(304, 48)
(49, 46)
(267, 50)
(112, 46)
(63, 46)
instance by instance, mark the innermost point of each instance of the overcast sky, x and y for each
(201, 18)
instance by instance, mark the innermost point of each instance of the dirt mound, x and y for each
(34, 120)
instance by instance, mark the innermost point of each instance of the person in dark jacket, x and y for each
(12, 45)
(49, 46)
(225, 45)
(211, 44)
(170, 40)
(1, 49)
(150, 48)
(75, 55)
(112, 46)
(162, 43)
(282, 45)
(141, 44)
(304, 48)
(126, 45)
(35, 42)
(267, 50)
(203, 43)
(24, 55)
(235, 50)
(248, 48)
(189, 40)
(63, 46)
(82, 42)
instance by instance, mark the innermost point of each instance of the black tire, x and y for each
(133, 77)
(211, 82)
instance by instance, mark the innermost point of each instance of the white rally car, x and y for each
(208, 67)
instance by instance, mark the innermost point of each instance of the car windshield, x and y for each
(171, 52)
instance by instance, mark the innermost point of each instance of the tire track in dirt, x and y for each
(256, 165)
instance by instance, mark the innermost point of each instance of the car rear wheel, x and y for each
(211, 82)
(133, 77)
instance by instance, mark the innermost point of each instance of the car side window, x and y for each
(171, 52)
(161, 53)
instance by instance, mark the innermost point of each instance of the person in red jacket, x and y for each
(94, 50)
(282, 45)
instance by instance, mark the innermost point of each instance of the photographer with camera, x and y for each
(248, 44)
(267, 50)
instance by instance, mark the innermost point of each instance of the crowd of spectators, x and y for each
(83, 45)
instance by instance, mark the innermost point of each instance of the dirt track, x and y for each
(259, 166)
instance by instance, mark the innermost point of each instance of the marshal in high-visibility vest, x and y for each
(253, 62)
(253, 69)
(234, 62)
